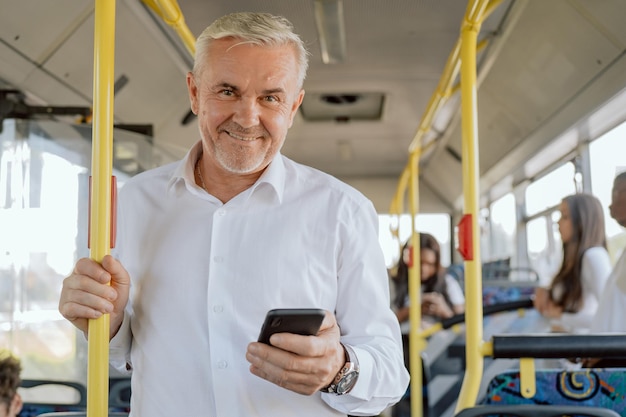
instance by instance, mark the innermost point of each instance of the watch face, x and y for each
(347, 382)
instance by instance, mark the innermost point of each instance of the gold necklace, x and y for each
(199, 172)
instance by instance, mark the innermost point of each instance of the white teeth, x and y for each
(241, 137)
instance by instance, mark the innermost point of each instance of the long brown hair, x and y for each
(10, 369)
(434, 283)
(437, 281)
(587, 220)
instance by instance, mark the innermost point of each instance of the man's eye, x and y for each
(271, 99)
(228, 92)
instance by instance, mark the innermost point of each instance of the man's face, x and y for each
(618, 202)
(246, 97)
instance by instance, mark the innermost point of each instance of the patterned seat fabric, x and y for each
(605, 388)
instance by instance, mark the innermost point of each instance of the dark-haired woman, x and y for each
(571, 300)
(442, 296)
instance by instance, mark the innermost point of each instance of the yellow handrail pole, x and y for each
(481, 45)
(473, 272)
(170, 12)
(416, 342)
(395, 209)
(444, 90)
(397, 202)
(100, 219)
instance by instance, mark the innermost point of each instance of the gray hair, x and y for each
(254, 28)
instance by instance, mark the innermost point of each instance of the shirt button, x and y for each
(222, 364)
(218, 259)
(218, 309)
(222, 212)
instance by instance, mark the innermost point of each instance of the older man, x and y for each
(207, 245)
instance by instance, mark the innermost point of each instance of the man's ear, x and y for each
(192, 89)
(294, 108)
(16, 405)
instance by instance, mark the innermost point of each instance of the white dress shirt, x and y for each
(204, 274)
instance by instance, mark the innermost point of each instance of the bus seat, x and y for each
(501, 282)
(33, 410)
(51, 389)
(498, 269)
(80, 414)
(537, 410)
(499, 294)
(119, 394)
(457, 271)
(603, 388)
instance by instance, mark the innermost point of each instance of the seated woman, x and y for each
(442, 296)
(571, 300)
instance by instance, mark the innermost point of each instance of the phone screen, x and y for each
(304, 321)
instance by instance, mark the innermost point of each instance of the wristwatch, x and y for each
(347, 376)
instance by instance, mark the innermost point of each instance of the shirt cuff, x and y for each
(119, 347)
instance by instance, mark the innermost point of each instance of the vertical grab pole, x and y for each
(416, 340)
(100, 215)
(473, 270)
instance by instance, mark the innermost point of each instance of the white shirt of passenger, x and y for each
(455, 293)
(204, 274)
(595, 270)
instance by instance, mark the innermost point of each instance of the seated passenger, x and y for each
(442, 296)
(10, 400)
(571, 300)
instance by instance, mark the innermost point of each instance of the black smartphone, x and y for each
(304, 321)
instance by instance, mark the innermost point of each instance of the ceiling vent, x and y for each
(342, 107)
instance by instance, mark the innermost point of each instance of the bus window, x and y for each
(502, 229)
(437, 224)
(549, 190)
(43, 211)
(40, 205)
(544, 245)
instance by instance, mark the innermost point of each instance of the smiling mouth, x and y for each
(239, 137)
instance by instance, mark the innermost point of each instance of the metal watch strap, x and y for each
(347, 374)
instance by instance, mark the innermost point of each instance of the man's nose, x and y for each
(247, 112)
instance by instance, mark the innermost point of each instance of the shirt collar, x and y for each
(274, 175)
(185, 169)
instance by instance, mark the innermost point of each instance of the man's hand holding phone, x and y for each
(300, 363)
